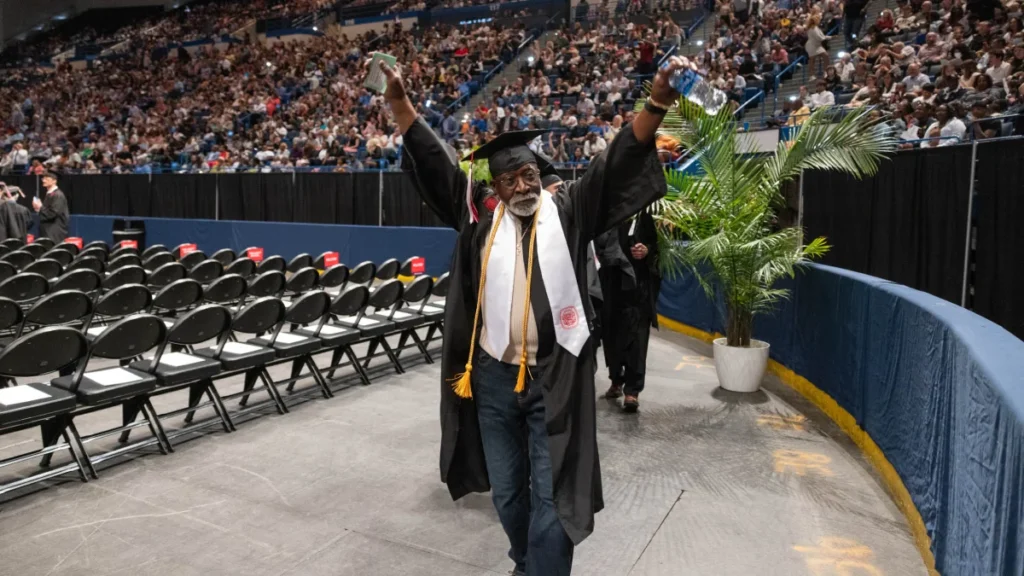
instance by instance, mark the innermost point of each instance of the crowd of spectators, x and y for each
(247, 106)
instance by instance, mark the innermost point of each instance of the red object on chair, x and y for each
(76, 241)
(419, 265)
(330, 259)
(130, 244)
(254, 254)
(30, 239)
(187, 249)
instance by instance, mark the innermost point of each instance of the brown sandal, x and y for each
(630, 404)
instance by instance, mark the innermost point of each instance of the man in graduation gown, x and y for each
(53, 210)
(631, 282)
(518, 411)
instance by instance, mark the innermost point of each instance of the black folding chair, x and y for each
(101, 254)
(86, 263)
(7, 270)
(301, 281)
(407, 267)
(62, 308)
(272, 263)
(192, 259)
(388, 269)
(61, 256)
(13, 243)
(434, 309)
(271, 283)
(154, 249)
(225, 256)
(300, 262)
(243, 266)
(409, 317)
(157, 260)
(104, 388)
(175, 298)
(19, 258)
(179, 370)
(363, 274)
(119, 303)
(263, 315)
(24, 287)
(341, 338)
(100, 244)
(309, 308)
(82, 280)
(165, 274)
(118, 252)
(46, 267)
(206, 271)
(124, 275)
(67, 247)
(45, 242)
(130, 259)
(334, 279)
(375, 328)
(228, 290)
(28, 405)
(320, 263)
(35, 249)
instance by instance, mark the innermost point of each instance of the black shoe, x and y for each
(630, 404)
(614, 391)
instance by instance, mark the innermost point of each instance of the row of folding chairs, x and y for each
(172, 322)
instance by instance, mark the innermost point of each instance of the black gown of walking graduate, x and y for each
(620, 181)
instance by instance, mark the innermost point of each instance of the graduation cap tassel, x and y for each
(523, 367)
(462, 383)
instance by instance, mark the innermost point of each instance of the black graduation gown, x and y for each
(54, 216)
(620, 181)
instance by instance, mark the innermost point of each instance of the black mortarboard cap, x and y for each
(511, 150)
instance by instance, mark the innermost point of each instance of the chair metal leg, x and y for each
(335, 360)
(79, 445)
(129, 411)
(154, 419)
(218, 406)
(422, 346)
(401, 344)
(326, 390)
(296, 370)
(370, 352)
(74, 453)
(274, 392)
(250, 381)
(195, 395)
(50, 432)
(355, 364)
(391, 356)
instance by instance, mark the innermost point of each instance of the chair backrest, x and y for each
(13, 243)
(5, 250)
(154, 249)
(10, 314)
(262, 315)
(130, 336)
(157, 260)
(117, 253)
(7, 270)
(24, 286)
(243, 266)
(122, 261)
(44, 242)
(96, 245)
(206, 322)
(227, 288)
(19, 258)
(225, 256)
(87, 263)
(387, 294)
(270, 283)
(308, 308)
(388, 269)
(166, 274)
(206, 271)
(59, 308)
(299, 262)
(320, 261)
(363, 274)
(41, 351)
(68, 247)
(45, 267)
(125, 275)
(441, 286)
(36, 250)
(62, 256)
(334, 276)
(178, 295)
(192, 259)
(176, 251)
(418, 290)
(83, 280)
(271, 263)
(302, 280)
(350, 302)
(124, 300)
(407, 266)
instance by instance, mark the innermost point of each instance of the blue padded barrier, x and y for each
(353, 244)
(938, 388)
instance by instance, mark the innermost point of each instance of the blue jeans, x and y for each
(515, 444)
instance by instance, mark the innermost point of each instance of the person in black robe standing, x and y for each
(630, 281)
(53, 211)
(528, 432)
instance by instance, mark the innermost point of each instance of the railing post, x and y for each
(970, 215)
(216, 197)
(380, 198)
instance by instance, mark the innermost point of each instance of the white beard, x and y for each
(524, 205)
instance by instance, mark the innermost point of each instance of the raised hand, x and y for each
(395, 89)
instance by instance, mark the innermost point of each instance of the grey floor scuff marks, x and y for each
(701, 482)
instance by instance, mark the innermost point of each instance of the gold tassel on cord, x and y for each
(521, 381)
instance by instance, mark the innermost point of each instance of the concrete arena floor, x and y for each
(701, 482)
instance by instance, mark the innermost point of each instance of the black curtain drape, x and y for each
(278, 201)
(906, 224)
(129, 195)
(316, 198)
(401, 200)
(86, 193)
(999, 252)
(366, 205)
(29, 185)
(182, 196)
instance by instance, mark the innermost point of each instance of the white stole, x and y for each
(552, 253)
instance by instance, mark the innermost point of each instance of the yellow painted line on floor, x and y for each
(846, 422)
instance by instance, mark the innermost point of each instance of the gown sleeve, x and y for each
(621, 181)
(434, 167)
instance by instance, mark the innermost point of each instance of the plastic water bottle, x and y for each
(696, 89)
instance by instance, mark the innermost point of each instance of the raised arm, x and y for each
(433, 164)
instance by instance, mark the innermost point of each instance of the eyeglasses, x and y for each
(530, 177)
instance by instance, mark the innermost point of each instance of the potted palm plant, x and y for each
(719, 221)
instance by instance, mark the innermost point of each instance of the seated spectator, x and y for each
(821, 97)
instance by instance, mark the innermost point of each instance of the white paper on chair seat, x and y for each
(96, 330)
(362, 323)
(178, 359)
(289, 338)
(439, 303)
(21, 395)
(238, 348)
(168, 323)
(401, 315)
(329, 329)
(112, 376)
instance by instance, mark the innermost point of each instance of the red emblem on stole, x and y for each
(490, 203)
(568, 317)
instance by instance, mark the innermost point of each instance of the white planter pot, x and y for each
(740, 369)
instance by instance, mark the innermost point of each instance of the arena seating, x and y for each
(128, 327)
